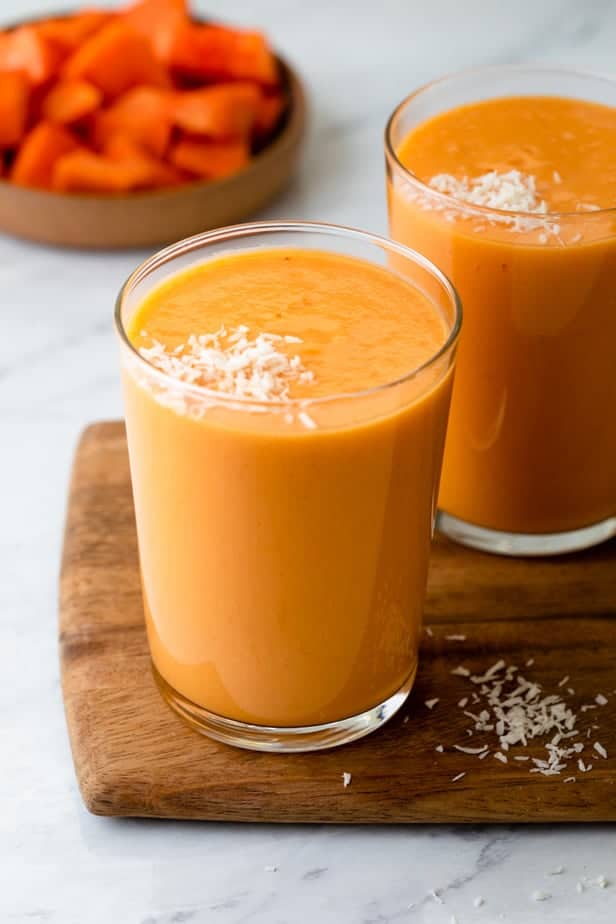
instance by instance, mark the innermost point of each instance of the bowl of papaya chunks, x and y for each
(140, 126)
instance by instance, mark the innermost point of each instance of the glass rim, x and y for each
(253, 229)
(451, 201)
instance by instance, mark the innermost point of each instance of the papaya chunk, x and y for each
(222, 111)
(85, 171)
(14, 96)
(210, 159)
(25, 49)
(142, 114)
(41, 149)
(269, 114)
(71, 100)
(155, 172)
(159, 21)
(115, 59)
(68, 32)
(216, 53)
(118, 170)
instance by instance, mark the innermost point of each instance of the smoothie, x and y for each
(531, 445)
(283, 538)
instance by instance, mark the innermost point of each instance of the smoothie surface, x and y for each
(353, 324)
(567, 145)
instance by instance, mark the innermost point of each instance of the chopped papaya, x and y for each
(71, 100)
(210, 159)
(85, 171)
(142, 114)
(227, 110)
(269, 113)
(115, 59)
(68, 32)
(155, 172)
(14, 96)
(25, 49)
(38, 154)
(159, 21)
(138, 98)
(217, 53)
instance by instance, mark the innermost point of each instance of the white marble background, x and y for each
(58, 372)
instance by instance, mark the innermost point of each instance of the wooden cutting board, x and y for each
(133, 756)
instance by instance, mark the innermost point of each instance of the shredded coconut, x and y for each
(461, 671)
(519, 712)
(458, 776)
(600, 699)
(234, 363)
(431, 703)
(600, 750)
(480, 750)
(478, 901)
(510, 191)
(346, 779)
(439, 748)
(455, 638)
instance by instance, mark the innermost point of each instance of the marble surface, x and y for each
(58, 372)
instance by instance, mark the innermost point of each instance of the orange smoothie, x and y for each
(284, 543)
(531, 445)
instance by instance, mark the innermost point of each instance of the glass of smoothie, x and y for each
(506, 179)
(286, 389)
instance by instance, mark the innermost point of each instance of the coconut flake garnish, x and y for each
(233, 363)
(511, 191)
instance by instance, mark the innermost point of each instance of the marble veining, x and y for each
(58, 371)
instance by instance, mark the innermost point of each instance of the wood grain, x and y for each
(133, 756)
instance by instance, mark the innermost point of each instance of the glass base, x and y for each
(529, 544)
(283, 740)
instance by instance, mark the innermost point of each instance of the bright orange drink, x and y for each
(513, 194)
(284, 487)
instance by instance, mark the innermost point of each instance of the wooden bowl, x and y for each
(151, 218)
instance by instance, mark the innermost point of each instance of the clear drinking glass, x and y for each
(530, 457)
(284, 565)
